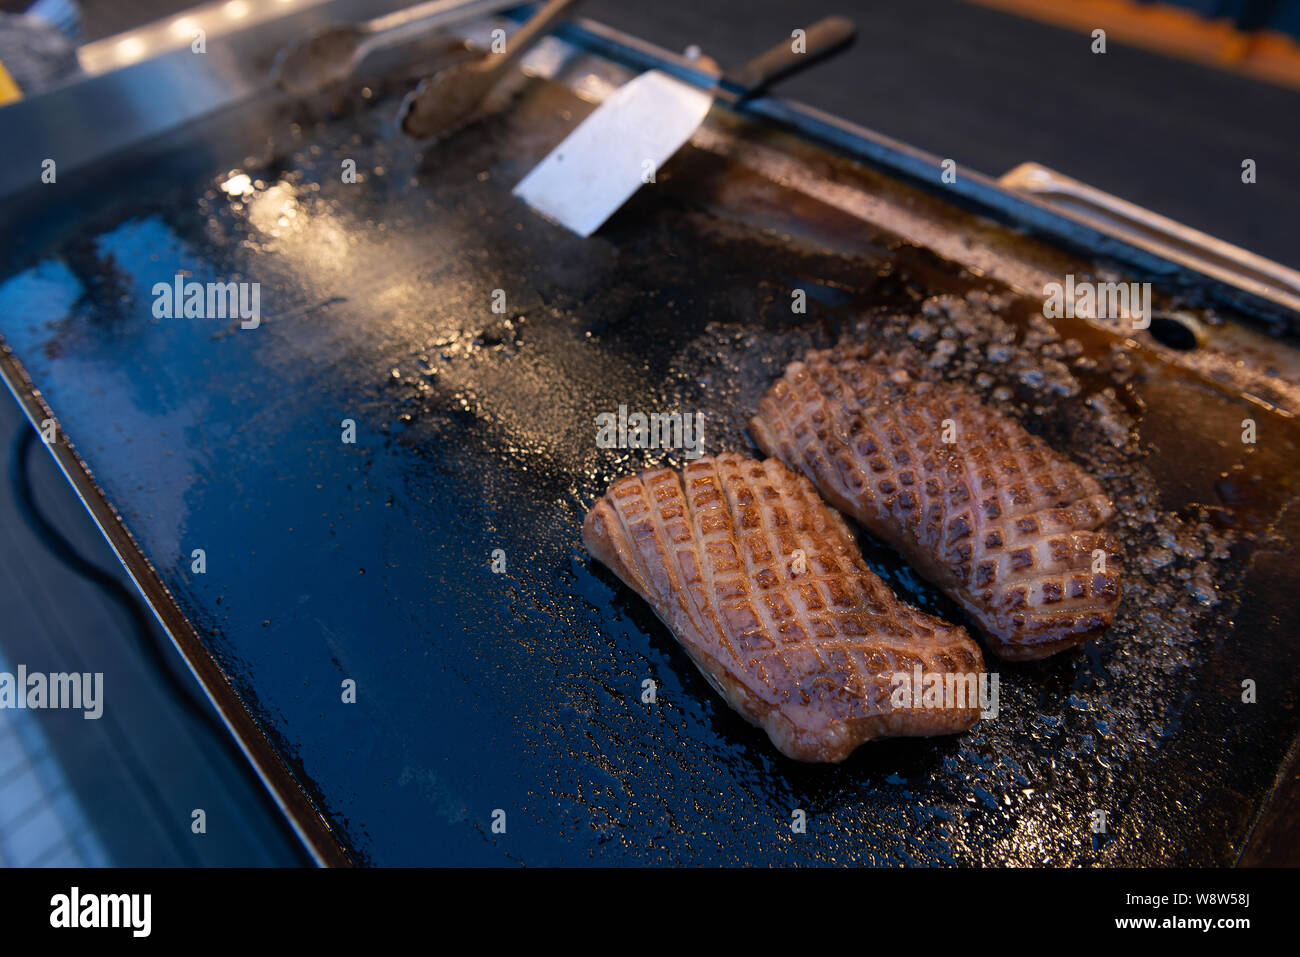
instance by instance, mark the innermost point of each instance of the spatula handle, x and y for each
(823, 38)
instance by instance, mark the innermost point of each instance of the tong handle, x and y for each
(532, 30)
(1165, 237)
(826, 36)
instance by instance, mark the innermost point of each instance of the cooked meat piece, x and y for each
(766, 590)
(995, 518)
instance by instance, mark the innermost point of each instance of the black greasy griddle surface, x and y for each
(522, 692)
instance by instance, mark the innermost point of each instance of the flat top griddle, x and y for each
(475, 431)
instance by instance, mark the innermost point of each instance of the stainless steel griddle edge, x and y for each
(305, 818)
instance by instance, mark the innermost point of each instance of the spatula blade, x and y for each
(584, 180)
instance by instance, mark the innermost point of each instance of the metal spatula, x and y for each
(584, 180)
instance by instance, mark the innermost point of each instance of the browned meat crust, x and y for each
(805, 648)
(998, 520)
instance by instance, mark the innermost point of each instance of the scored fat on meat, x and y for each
(994, 517)
(765, 588)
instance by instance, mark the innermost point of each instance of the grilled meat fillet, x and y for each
(766, 590)
(995, 518)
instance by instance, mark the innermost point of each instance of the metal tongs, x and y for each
(330, 55)
(450, 99)
(1156, 234)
